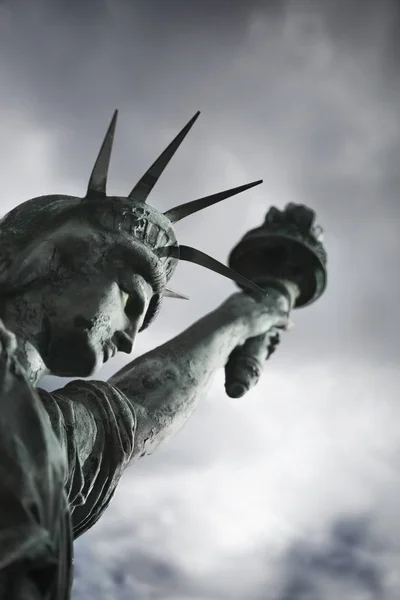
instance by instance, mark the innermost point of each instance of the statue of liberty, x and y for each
(79, 279)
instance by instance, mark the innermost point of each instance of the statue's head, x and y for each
(86, 274)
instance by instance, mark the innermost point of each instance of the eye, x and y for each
(132, 299)
(135, 305)
(134, 293)
(125, 297)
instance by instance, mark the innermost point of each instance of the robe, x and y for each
(61, 457)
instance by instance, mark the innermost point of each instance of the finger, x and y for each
(283, 322)
(279, 318)
(245, 366)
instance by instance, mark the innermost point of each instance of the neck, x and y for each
(27, 354)
(30, 360)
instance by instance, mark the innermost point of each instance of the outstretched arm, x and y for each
(165, 384)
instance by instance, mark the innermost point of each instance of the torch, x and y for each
(284, 254)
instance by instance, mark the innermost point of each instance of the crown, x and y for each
(138, 228)
(136, 219)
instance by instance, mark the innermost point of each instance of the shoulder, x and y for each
(96, 424)
(93, 404)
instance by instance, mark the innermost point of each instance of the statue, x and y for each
(79, 278)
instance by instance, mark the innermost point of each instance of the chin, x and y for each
(74, 371)
(71, 355)
(78, 368)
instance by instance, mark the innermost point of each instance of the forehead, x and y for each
(76, 250)
(77, 238)
(85, 250)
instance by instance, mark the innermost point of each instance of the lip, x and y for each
(109, 350)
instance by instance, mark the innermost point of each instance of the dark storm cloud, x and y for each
(129, 578)
(73, 60)
(347, 564)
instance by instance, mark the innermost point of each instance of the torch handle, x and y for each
(246, 363)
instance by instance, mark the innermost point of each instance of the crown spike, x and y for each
(98, 178)
(189, 208)
(168, 293)
(197, 257)
(145, 185)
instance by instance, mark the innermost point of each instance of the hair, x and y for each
(24, 230)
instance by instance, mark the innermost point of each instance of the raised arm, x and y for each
(165, 384)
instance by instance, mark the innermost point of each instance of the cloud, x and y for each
(248, 499)
(229, 501)
(348, 565)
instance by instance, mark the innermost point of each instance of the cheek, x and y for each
(27, 311)
(111, 313)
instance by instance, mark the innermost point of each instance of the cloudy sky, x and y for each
(289, 493)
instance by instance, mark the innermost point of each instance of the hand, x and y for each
(263, 317)
(259, 315)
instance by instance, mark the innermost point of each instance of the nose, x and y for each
(123, 342)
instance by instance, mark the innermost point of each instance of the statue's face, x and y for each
(89, 306)
(88, 319)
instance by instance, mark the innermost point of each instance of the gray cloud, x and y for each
(347, 563)
(304, 94)
(292, 95)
